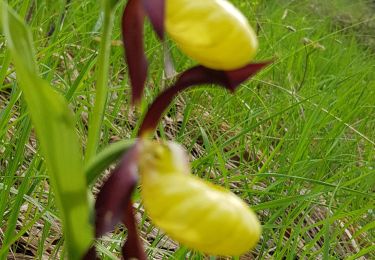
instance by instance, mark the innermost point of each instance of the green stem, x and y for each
(106, 157)
(97, 114)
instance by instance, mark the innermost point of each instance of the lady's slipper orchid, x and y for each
(196, 213)
(212, 32)
(199, 214)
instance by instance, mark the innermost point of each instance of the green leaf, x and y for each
(106, 157)
(54, 125)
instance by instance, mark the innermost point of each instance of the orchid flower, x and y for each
(196, 213)
(212, 32)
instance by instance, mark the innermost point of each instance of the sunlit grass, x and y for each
(297, 142)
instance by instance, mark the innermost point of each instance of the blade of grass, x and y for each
(21, 137)
(12, 221)
(76, 84)
(327, 238)
(4, 66)
(5, 114)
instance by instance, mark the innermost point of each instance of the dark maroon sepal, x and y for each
(155, 10)
(91, 254)
(233, 78)
(132, 33)
(197, 76)
(115, 194)
(113, 205)
(132, 249)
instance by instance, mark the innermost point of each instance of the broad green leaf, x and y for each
(54, 125)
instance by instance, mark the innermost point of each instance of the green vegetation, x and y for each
(297, 142)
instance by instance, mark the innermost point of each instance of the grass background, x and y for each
(296, 142)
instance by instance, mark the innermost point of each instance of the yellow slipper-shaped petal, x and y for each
(198, 214)
(212, 32)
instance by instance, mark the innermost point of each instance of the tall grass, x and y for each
(297, 142)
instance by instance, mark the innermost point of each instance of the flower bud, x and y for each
(213, 32)
(198, 214)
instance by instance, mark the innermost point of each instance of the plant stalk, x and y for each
(97, 114)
